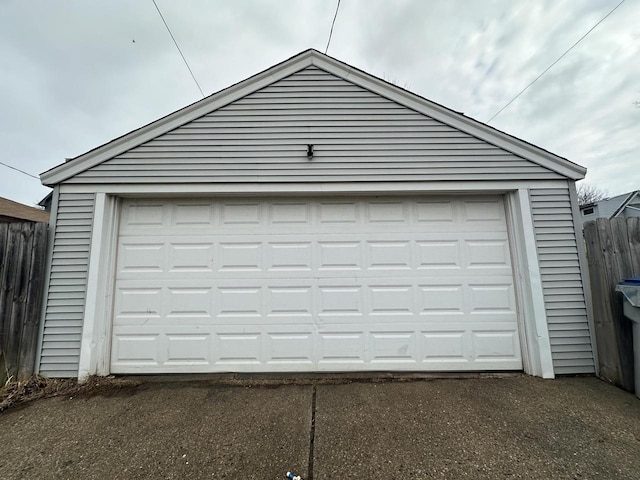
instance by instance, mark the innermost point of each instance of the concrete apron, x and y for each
(481, 428)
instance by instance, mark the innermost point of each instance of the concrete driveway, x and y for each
(482, 428)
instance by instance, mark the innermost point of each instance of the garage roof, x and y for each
(305, 59)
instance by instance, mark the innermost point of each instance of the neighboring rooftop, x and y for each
(625, 205)
(11, 211)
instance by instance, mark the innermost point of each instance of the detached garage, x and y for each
(314, 218)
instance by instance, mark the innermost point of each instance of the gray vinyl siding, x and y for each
(67, 286)
(563, 292)
(357, 136)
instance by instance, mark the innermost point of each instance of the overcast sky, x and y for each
(76, 74)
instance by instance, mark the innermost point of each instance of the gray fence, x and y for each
(613, 250)
(23, 248)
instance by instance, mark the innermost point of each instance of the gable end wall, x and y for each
(357, 136)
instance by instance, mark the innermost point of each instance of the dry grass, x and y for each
(15, 393)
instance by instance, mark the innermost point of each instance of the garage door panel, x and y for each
(370, 296)
(205, 285)
(246, 347)
(304, 216)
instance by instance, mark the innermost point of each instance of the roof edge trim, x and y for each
(279, 71)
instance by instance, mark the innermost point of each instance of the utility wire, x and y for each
(18, 170)
(332, 24)
(557, 60)
(176, 44)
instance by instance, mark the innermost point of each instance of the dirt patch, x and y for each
(15, 393)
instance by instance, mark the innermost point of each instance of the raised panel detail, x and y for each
(389, 255)
(290, 301)
(339, 300)
(240, 213)
(239, 348)
(290, 213)
(393, 347)
(198, 257)
(438, 299)
(139, 349)
(188, 349)
(434, 211)
(342, 347)
(193, 215)
(396, 300)
(478, 211)
(189, 302)
(444, 346)
(487, 253)
(142, 257)
(235, 257)
(495, 345)
(290, 256)
(494, 298)
(145, 215)
(439, 254)
(290, 347)
(240, 301)
(338, 212)
(387, 212)
(140, 301)
(327, 284)
(339, 255)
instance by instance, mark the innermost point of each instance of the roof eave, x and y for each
(217, 100)
(174, 120)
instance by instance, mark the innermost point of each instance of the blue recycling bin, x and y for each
(630, 290)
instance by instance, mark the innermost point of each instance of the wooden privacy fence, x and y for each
(23, 248)
(613, 250)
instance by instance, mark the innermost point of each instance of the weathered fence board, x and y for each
(23, 248)
(613, 251)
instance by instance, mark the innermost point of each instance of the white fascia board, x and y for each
(312, 57)
(176, 119)
(457, 120)
(248, 189)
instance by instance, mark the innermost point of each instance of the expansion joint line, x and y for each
(312, 433)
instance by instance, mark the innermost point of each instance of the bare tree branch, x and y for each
(588, 194)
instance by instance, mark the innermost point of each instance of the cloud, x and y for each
(78, 74)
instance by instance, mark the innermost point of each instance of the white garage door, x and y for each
(214, 285)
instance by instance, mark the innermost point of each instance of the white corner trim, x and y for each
(537, 330)
(88, 351)
(584, 271)
(47, 274)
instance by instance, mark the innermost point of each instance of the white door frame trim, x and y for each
(536, 345)
(95, 348)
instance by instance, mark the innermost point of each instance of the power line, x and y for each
(176, 44)
(332, 24)
(556, 61)
(18, 170)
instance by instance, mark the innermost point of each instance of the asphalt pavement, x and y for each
(478, 428)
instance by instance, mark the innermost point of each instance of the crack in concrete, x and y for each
(312, 433)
